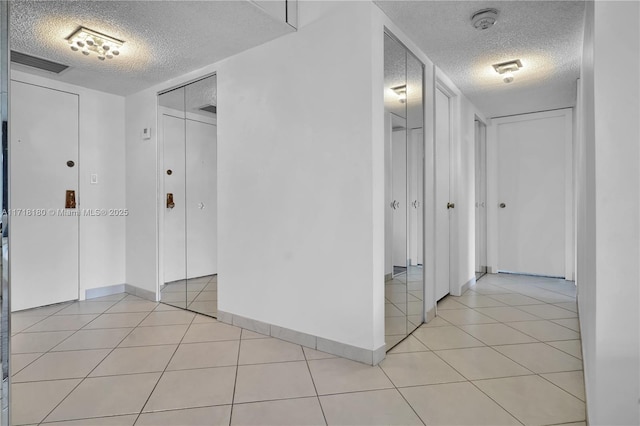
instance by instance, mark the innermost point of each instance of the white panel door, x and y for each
(399, 194)
(443, 167)
(202, 230)
(416, 199)
(531, 196)
(43, 233)
(174, 183)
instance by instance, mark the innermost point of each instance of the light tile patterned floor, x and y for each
(505, 353)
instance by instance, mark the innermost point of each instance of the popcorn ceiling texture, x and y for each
(163, 39)
(545, 35)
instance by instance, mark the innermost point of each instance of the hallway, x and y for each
(506, 352)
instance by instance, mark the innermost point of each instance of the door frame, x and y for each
(481, 138)
(454, 99)
(492, 186)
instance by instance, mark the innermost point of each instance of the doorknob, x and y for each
(451, 205)
(70, 199)
(503, 205)
(170, 203)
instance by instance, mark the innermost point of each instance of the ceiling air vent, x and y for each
(209, 108)
(34, 62)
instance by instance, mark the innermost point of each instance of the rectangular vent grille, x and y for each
(209, 108)
(34, 62)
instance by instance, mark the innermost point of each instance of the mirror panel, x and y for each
(5, 308)
(404, 192)
(395, 84)
(188, 135)
(171, 117)
(415, 178)
(201, 196)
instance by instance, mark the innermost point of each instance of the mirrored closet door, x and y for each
(188, 158)
(404, 192)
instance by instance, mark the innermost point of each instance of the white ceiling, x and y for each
(545, 35)
(163, 39)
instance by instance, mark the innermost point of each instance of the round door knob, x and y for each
(451, 205)
(503, 205)
(70, 163)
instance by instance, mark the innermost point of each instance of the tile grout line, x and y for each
(165, 368)
(304, 354)
(85, 378)
(473, 384)
(235, 380)
(402, 396)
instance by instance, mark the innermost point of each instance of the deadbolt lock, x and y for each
(503, 205)
(70, 163)
(170, 203)
(70, 199)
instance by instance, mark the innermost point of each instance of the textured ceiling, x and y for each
(545, 35)
(163, 39)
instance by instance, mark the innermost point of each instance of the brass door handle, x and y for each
(451, 205)
(70, 199)
(170, 203)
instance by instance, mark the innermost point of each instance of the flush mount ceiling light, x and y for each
(86, 41)
(401, 91)
(506, 69)
(484, 19)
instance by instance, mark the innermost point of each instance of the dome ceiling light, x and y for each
(484, 19)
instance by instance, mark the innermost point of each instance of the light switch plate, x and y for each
(146, 133)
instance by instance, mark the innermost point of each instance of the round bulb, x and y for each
(115, 52)
(74, 48)
(101, 57)
(80, 43)
(507, 77)
(85, 52)
(109, 56)
(90, 41)
(106, 47)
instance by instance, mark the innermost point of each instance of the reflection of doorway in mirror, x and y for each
(189, 166)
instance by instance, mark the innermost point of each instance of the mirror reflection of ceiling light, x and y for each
(86, 41)
(506, 69)
(401, 91)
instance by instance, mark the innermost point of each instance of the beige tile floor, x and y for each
(505, 353)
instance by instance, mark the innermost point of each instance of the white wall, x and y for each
(301, 178)
(295, 179)
(141, 191)
(102, 239)
(608, 210)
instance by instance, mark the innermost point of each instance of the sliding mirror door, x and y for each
(187, 121)
(415, 179)
(404, 171)
(201, 196)
(171, 124)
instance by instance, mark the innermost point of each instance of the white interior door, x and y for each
(174, 183)
(201, 178)
(416, 202)
(43, 233)
(481, 197)
(399, 192)
(532, 157)
(443, 167)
